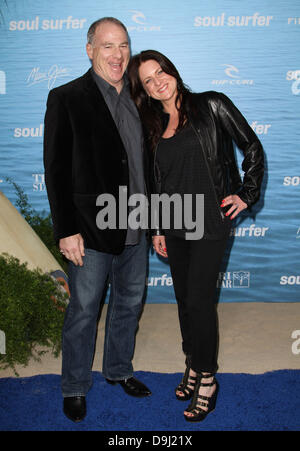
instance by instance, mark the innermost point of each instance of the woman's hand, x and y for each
(159, 244)
(237, 205)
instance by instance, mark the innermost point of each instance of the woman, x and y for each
(190, 136)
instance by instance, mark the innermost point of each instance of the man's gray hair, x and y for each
(93, 27)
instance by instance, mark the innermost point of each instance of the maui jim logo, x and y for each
(54, 73)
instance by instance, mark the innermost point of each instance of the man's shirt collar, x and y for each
(105, 86)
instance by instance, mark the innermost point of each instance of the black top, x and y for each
(184, 171)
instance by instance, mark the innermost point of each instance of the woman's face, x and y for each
(156, 82)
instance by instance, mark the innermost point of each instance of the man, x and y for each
(93, 145)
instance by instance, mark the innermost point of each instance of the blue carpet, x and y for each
(267, 402)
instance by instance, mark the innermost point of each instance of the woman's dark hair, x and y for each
(151, 109)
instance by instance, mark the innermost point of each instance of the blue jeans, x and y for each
(127, 274)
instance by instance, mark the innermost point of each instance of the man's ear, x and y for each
(89, 51)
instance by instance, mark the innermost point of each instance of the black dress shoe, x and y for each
(132, 387)
(75, 408)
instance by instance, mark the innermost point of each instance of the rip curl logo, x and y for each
(141, 22)
(231, 71)
(138, 17)
(233, 77)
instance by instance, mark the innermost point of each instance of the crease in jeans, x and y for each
(112, 311)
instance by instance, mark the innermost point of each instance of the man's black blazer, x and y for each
(84, 156)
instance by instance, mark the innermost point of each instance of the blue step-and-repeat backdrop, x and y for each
(247, 49)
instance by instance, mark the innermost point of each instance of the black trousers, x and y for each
(195, 266)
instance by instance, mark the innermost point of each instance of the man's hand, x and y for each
(159, 244)
(72, 247)
(237, 205)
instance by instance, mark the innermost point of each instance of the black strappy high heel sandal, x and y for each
(200, 414)
(187, 385)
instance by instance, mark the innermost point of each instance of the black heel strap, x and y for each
(191, 381)
(207, 384)
(207, 376)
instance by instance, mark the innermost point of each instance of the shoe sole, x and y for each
(198, 419)
(183, 398)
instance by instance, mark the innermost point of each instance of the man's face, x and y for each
(110, 53)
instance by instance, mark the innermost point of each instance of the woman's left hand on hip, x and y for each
(237, 203)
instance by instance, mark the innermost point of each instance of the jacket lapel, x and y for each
(96, 100)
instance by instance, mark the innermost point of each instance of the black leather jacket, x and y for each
(217, 123)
